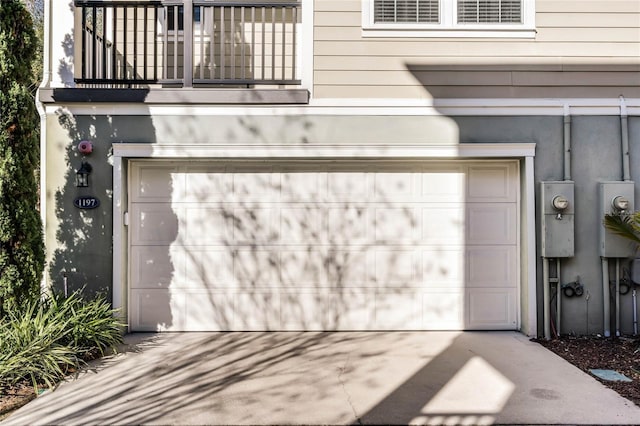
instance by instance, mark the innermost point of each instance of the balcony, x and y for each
(184, 44)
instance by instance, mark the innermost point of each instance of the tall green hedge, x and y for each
(21, 245)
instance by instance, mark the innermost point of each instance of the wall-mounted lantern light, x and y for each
(82, 175)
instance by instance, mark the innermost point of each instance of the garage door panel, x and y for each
(491, 223)
(324, 246)
(348, 268)
(156, 223)
(252, 187)
(328, 309)
(492, 266)
(394, 187)
(156, 183)
(205, 268)
(257, 311)
(397, 310)
(397, 225)
(205, 186)
(443, 224)
(208, 311)
(343, 186)
(443, 309)
(201, 226)
(397, 268)
(256, 268)
(154, 266)
(495, 183)
(253, 224)
(156, 310)
(302, 224)
(443, 268)
(444, 184)
(309, 310)
(302, 187)
(304, 266)
(492, 309)
(349, 224)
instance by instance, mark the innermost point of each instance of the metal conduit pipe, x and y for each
(558, 297)
(567, 176)
(624, 129)
(605, 297)
(546, 299)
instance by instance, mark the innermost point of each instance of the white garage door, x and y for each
(327, 245)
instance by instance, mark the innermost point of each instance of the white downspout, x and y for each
(567, 142)
(626, 176)
(46, 79)
(567, 177)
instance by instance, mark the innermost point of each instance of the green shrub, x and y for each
(31, 346)
(21, 243)
(91, 325)
(50, 337)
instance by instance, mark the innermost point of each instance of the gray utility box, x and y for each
(613, 195)
(557, 205)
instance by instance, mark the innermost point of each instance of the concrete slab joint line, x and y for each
(344, 389)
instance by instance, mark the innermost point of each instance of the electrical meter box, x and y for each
(557, 207)
(615, 198)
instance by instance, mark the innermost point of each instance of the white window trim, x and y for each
(447, 26)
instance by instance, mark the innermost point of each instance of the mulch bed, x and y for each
(15, 397)
(619, 354)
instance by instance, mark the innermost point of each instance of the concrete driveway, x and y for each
(331, 378)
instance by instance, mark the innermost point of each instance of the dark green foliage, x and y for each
(46, 339)
(21, 246)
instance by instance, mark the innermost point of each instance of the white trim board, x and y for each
(525, 151)
(375, 107)
(473, 150)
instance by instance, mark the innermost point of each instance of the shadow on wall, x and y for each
(84, 236)
(83, 254)
(288, 245)
(527, 80)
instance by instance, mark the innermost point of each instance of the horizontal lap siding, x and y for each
(597, 41)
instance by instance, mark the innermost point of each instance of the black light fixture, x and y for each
(82, 175)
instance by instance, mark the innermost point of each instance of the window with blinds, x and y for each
(407, 11)
(489, 11)
(449, 18)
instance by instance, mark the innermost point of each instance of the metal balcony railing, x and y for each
(187, 43)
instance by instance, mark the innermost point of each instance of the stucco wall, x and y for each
(596, 156)
(79, 242)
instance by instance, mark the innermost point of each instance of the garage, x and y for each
(323, 245)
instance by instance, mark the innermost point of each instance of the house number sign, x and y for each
(86, 202)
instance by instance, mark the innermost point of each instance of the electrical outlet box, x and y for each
(557, 208)
(615, 197)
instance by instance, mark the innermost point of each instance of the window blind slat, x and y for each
(489, 11)
(410, 11)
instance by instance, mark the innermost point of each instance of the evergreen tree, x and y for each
(21, 245)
